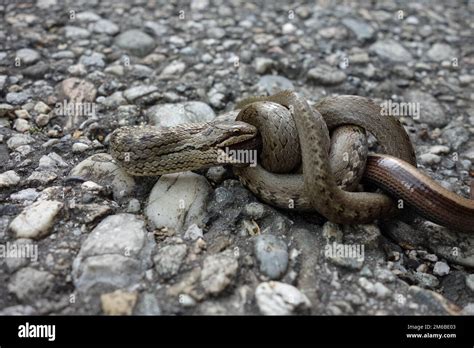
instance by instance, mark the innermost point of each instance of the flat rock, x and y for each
(36, 220)
(136, 42)
(391, 50)
(115, 254)
(169, 115)
(178, 200)
(276, 298)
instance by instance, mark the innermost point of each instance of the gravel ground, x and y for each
(80, 236)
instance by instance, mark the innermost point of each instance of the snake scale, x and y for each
(156, 151)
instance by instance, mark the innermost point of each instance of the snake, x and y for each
(145, 151)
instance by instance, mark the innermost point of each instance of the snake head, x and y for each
(232, 133)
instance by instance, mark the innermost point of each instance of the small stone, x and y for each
(101, 168)
(41, 177)
(254, 210)
(136, 41)
(94, 59)
(440, 51)
(362, 30)
(118, 302)
(326, 75)
(104, 26)
(134, 93)
(381, 291)
(439, 150)
(23, 114)
(17, 98)
(193, 232)
(288, 28)
(77, 70)
(272, 254)
(176, 68)
(147, 305)
(29, 194)
(169, 115)
(276, 298)
(169, 258)
(36, 220)
(9, 178)
(430, 257)
(263, 65)
(5, 109)
(218, 271)
(272, 84)
(391, 50)
(41, 108)
(441, 268)
(368, 286)
(426, 280)
(21, 125)
(76, 33)
(470, 281)
(430, 110)
(29, 283)
(52, 161)
(79, 147)
(28, 56)
(429, 159)
(42, 120)
(133, 206)
(114, 255)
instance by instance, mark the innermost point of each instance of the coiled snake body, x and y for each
(156, 151)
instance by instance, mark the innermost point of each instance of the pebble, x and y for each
(169, 115)
(52, 161)
(326, 75)
(391, 51)
(440, 51)
(21, 125)
(134, 93)
(429, 159)
(5, 109)
(76, 33)
(439, 150)
(218, 271)
(114, 255)
(17, 98)
(254, 210)
(263, 64)
(426, 280)
(362, 30)
(94, 59)
(79, 147)
(104, 26)
(29, 194)
(118, 302)
(133, 206)
(147, 305)
(101, 169)
(381, 291)
(174, 69)
(29, 284)
(168, 259)
(136, 42)
(430, 110)
(194, 232)
(470, 281)
(41, 177)
(441, 269)
(41, 108)
(276, 298)
(36, 220)
(87, 16)
(28, 56)
(9, 178)
(272, 84)
(178, 200)
(272, 255)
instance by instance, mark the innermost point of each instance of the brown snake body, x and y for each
(160, 151)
